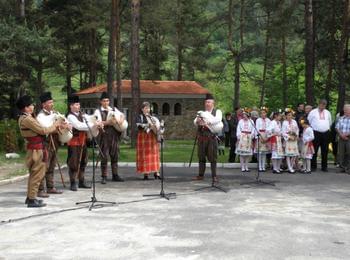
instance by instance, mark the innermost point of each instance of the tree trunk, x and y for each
(118, 55)
(236, 54)
(22, 8)
(309, 53)
(92, 58)
(342, 54)
(179, 32)
(111, 53)
(135, 67)
(68, 71)
(331, 56)
(284, 71)
(267, 43)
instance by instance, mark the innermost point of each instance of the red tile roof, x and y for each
(154, 87)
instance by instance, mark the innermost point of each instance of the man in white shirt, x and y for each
(207, 140)
(109, 138)
(320, 120)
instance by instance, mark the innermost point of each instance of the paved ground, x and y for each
(302, 217)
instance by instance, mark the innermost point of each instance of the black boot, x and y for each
(103, 179)
(73, 186)
(34, 203)
(27, 199)
(116, 177)
(82, 185)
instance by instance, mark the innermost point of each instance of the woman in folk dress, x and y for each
(245, 135)
(262, 124)
(308, 147)
(274, 131)
(290, 131)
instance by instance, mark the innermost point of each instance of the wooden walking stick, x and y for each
(56, 159)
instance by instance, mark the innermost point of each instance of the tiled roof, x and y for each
(154, 87)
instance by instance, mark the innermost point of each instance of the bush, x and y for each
(10, 137)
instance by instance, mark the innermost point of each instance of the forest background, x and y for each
(273, 53)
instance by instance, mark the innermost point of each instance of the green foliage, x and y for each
(10, 137)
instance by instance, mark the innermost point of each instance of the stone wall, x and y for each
(177, 127)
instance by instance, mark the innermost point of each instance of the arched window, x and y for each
(177, 109)
(166, 109)
(154, 108)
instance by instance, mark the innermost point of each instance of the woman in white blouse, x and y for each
(290, 132)
(274, 131)
(245, 136)
(262, 124)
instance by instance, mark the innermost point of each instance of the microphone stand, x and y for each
(162, 194)
(93, 199)
(258, 180)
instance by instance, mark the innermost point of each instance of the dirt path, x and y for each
(11, 170)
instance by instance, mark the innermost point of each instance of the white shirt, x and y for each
(274, 128)
(291, 126)
(262, 124)
(320, 121)
(44, 119)
(214, 119)
(97, 112)
(80, 126)
(245, 126)
(308, 135)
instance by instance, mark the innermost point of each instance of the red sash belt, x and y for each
(35, 143)
(78, 140)
(262, 130)
(273, 139)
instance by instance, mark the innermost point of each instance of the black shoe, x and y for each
(157, 176)
(324, 169)
(73, 186)
(145, 177)
(34, 203)
(103, 180)
(117, 178)
(82, 185)
(27, 199)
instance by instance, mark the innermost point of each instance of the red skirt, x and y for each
(147, 153)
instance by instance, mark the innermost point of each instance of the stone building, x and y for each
(176, 102)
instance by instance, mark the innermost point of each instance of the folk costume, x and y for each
(108, 142)
(290, 132)
(245, 136)
(207, 140)
(147, 146)
(77, 149)
(36, 157)
(52, 147)
(275, 134)
(262, 124)
(308, 148)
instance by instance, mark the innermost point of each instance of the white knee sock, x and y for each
(308, 165)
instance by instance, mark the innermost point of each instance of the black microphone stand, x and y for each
(93, 199)
(162, 193)
(258, 180)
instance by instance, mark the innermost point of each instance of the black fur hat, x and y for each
(45, 97)
(104, 95)
(73, 99)
(23, 102)
(209, 96)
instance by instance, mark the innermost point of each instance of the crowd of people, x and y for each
(288, 136)
(283, 138)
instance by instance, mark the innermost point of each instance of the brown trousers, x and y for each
(49, 175)
(109, 144)
(37, 168)
(74, 163)
(207, 149)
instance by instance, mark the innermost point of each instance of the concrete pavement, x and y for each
(302, 217)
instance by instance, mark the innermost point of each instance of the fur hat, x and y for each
(45, 97)
(23, 102)
(104, 95)
(73, 99)
(209, 97)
